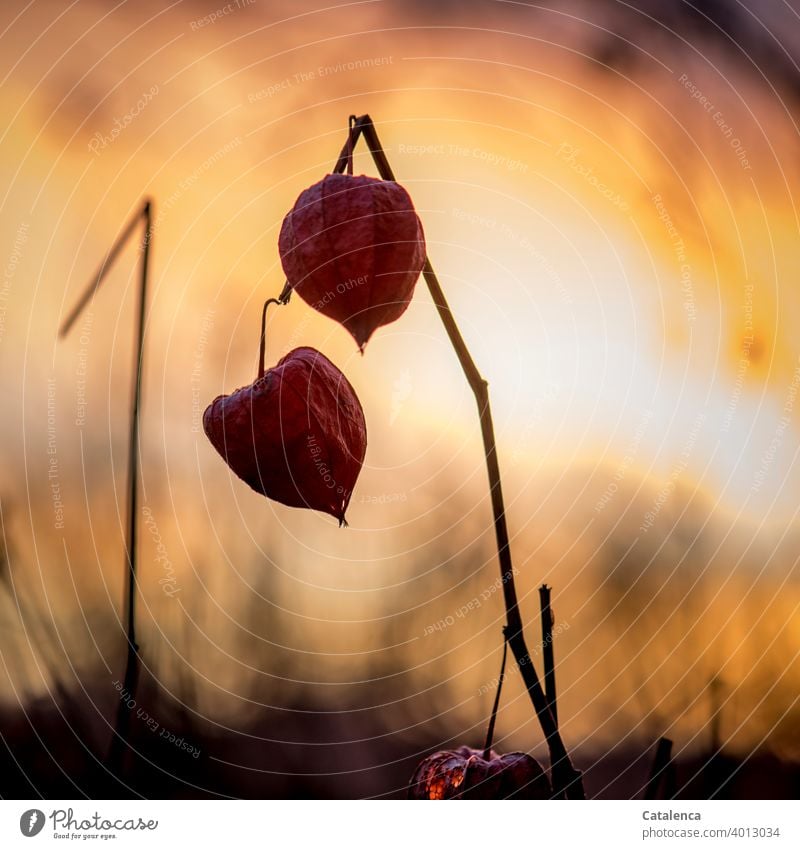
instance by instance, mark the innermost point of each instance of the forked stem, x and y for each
(119, 742)
(566, 780)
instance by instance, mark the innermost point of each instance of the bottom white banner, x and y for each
(399, 824)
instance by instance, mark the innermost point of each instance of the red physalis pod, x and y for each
(466, 774)
(353, 248)
(296, 435)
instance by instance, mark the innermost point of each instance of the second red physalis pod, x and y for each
(353, 248)
(466, 773)
(297, 434)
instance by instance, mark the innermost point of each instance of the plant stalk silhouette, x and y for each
(566, 780)
(119, 741)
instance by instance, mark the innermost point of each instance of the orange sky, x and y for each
(611, 217)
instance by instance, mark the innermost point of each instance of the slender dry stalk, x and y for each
(263, 345)
(119, 742)
(487, 746)
(566, 780)
(548, 620)
(659, 773)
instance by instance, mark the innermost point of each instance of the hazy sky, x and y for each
(607, 191)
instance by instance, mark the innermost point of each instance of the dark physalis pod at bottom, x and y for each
(464, 773)
(297, 434)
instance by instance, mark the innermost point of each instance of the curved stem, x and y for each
(487, 746)
(131, 680)
(263, 346)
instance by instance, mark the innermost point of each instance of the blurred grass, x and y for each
(293, 675)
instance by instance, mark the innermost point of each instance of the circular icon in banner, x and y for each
(31, 822)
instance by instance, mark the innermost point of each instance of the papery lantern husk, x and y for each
(296, 435)
(353, 248)
(465, 773)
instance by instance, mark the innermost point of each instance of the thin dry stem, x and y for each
(548, 620)
(487, 746)
(263, 346)
(119, 741)
(659, 774)
(566, 779)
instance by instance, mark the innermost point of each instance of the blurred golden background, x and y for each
(607, 191)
